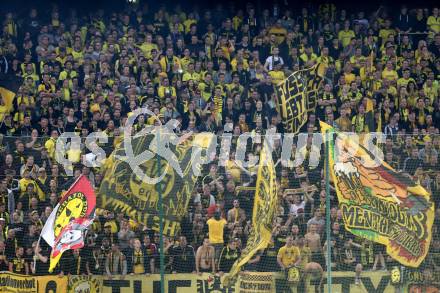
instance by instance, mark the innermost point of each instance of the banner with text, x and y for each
(14, 283)
(344, 282)
(297, 96)
(377, 202)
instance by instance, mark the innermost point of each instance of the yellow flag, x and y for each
(264, 212)
(9, 85)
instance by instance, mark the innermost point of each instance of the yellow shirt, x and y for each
(277, 76)
(390, 74)
(402, 82)
(345, 37)
(77, 55)
(23, 183)
(216, 230)
(289, 255)
(163, 90)
(187, 23)
(4, 110)
(64, 74)
(234, 64)
(146, 49)
(349, 78)
(50, 147)
(175, 63)
(385, 33)
(433, 23)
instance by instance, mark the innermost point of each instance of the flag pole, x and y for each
(160, 202)
(328, 219)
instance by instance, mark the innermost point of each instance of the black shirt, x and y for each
(183, 259)
(227, 258)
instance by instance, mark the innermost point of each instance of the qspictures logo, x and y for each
(167, 136)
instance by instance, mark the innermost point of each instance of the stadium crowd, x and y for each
(207, 69)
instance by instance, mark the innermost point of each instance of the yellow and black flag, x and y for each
(9, 85)
(263, 213)
(124, 190)
(297, 96)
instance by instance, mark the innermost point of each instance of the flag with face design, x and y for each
(64, 229)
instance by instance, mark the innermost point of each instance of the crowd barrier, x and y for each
(342, 282)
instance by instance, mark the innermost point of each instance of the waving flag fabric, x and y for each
(379, 203)
(74, 213)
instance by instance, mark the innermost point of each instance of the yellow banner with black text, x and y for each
(259, 282)
(344, 282)
(14, 283)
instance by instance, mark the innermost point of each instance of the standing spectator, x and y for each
(18, 263)
(4, 263)
(183, 257)
(236, 215)
(216, 227)
(95, 264)
(229, 254)
(314, 242)
(115, 263)
(288, 256)
(205, 261)
(125, 234)
(138, 261)
(411, 164)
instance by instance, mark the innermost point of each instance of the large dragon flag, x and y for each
(297, 96)
(64, 229)
(378, 203)
(137, 166)
(264, 212)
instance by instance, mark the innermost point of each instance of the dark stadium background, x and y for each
(86, 6)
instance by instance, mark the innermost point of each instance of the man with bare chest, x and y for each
(314, 242)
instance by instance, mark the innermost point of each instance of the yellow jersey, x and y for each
(216, 230)
(289, 255)
(345, 37)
